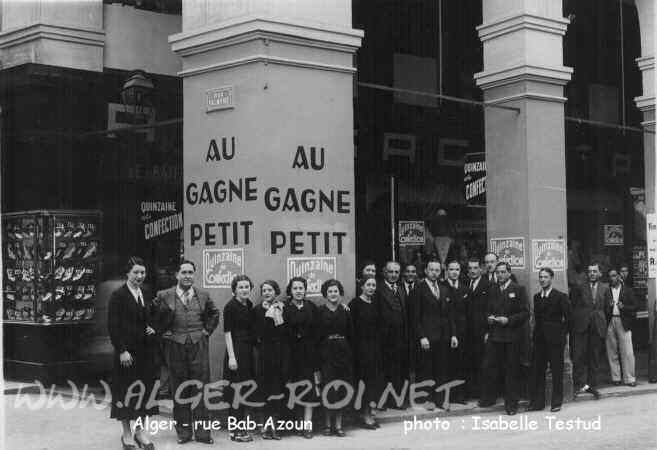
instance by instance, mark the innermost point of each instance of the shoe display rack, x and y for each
(51, 263)
(51, 268)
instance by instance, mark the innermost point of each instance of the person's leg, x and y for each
(595, 347)
(627, 354)
(511, 377)
(177, 365)
(579, 352)
(199, 370)
(611, 342)
(126, 433)
(490, 373)
(338, 421)
(556, 367)
(537, 384)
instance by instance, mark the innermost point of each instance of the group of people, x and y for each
(456, 337)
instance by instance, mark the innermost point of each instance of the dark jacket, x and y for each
(477, 323)
(552, 317)
(512, 304)
(627, 312)
(460, 304)
(435, 318)
(125, 323)
(589, 311)
(385, 300)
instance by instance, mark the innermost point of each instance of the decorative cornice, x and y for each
(85, 36)
(528, 96)
(645, 63)
(550, 75)
(645, 103)
(246, 29)
(518, 22)
(266, 59)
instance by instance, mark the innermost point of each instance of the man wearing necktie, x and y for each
(391, 303)
(435, 332)
(458, 293)
(589, 328)
(620, 309)
(508, 312)
(490, 261)
(551, 319)
(477, 325)
(409, 282)
(187, 316)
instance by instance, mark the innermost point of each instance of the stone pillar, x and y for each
(268, 143)
(525, 151)
(646, 104)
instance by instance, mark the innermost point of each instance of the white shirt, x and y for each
(454, 283)
(392, 286)
(136, 293)
(615, 293)
(475, 283)
(546, 294)
(433, 285)
(505, 285)
(185, 296)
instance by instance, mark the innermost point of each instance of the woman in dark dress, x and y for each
(238, 330)
(367, 355)
(335, 330)
(133, 338)
(301, 315)
(272, 339)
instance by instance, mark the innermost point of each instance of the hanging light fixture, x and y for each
(137, 92)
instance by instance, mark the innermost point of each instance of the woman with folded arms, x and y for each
(272, 339)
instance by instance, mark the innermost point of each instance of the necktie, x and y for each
(394, 289)
(140, 300)
(593, 289)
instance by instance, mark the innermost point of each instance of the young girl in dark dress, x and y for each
(301, 315)
(238, 329)
(367, 355)
(335, 331)
(272, 339)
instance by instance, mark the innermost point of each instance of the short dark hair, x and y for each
(186, 261)
(132, 262)
(491, 253)
(453, 261)
(613, 269)
(392, 262)
(237, 278)
(406, 266)
(474, 260)
(273, 284)
(363, 280)
(595, 263)
(624, 266)
(288, 289)
(433, 260)
(505, 264)
(548, 271)
(367, 262)
(332, 282)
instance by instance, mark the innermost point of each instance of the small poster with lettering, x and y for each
(474, 179)
(315, 269)
(651, 238)
(509, 250)
(639, 267)
(613, 235)
(221, 265)
(411, 232)
(160, 218)
(548, 253)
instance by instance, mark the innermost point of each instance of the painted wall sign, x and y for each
(220, 98)
(639, 267)
(474, 179)
(221, 265)
(411, 232)
(613, 235)
(159, 218)
(651, 239)
(548, 253)
(510, 250)
(316, 270)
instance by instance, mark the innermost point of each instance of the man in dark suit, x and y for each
(508, 311)
(620, 309)
(490, 263)
(391, 302)
(477, 325)
(588, 329)
(460, 304)
(435, 331)
(409, 281)
(187, 316)
(551, 323)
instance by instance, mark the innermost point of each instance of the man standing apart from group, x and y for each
(551, 324)
(508, 311)
(187, 317)
(620, 309)
(589, 328)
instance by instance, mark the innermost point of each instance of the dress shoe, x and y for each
(339, 432)
(429, 406)
(595, 392)
(308, 434)
(632, 384)
(653, 380)
(535, 408)
(616, 383)
(127, 446)
(143, 445)
(184, 439)
(91, 250)
(555, 409)
(511, 412)
(208, 440)
(369, 426)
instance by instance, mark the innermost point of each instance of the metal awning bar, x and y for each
(608, 125)
(382, 87)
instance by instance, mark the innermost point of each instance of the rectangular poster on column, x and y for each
(549, 253)
(510, 250)
(651, 238)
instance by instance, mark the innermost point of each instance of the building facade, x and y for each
(303, 137)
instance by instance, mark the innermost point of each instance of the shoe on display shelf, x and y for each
(47, 297)
(68, 315)
(70, 250)
(9, 312)
(47, 256)
(91, 230)
(61, 248)
(30, 230)
(90, 291)
(91, 251)
(68, 273)
(27, 251)
(59, 272)
(79, 272)
(59, 314)
(46, 318)
(78, 232)
(10, 275)
(9, 297)
(79, 314)
(27, 312)
(59, 230)
(79, 293)
(10, 252)
(89, 313)
(28, 274)
(68, 231)
(59, 292)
